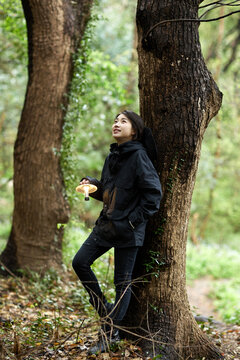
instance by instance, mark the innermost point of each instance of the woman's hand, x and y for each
(84, 181)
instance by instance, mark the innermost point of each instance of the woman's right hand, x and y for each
(84, 181)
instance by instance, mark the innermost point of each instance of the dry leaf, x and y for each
(105, 356)
(127, 353)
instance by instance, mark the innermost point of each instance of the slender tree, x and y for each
(54, 30)
(178, 98)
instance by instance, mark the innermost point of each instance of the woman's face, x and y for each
(122, 129)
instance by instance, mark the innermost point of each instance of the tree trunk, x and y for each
(54, 31)
(178, 98)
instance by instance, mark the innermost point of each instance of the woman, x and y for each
(130, 190)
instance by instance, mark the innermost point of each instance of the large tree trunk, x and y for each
(178, 98)
(54, 31)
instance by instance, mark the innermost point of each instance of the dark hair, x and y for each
(136, 121)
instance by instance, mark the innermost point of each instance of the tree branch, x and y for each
(187, 20)
(220, 4)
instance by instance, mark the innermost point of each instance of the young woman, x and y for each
(130, 190)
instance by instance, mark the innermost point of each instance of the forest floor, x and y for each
(42, 320)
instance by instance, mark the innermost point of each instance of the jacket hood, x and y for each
(119, 152)
(126, 147)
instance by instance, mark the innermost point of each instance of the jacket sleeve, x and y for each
(98, 194)
(150, 189)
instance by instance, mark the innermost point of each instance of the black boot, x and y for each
(103, 307)
(105, 340)
(108, 307)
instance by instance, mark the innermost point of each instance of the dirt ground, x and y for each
(199, 300)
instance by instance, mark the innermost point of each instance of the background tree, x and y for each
(54, 32)
(178, 98)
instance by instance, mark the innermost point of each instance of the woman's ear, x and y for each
(133, 132)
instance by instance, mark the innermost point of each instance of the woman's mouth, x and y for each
(115, 131)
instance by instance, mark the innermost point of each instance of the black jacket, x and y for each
(131, 192)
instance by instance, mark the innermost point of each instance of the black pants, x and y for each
(124, 260)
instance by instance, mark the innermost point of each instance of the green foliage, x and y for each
(13, 34)
(217, 189)
(94, 101)
(155, 264)
(115, 29)
(13, 77)
(98, 91)
(226, 295)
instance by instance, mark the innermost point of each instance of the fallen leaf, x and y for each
(127, 353)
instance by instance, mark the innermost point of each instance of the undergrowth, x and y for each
(50, 315)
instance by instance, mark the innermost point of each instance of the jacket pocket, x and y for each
(123, 229)
(115, 229)
(106, 229)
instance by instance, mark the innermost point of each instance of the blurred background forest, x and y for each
(105, 81)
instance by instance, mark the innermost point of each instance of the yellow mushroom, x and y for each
(86, 189)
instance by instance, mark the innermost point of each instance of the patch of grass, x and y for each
(220, 262)
(226, 295)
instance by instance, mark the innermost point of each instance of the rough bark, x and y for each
(178, 98)
(54, 32)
